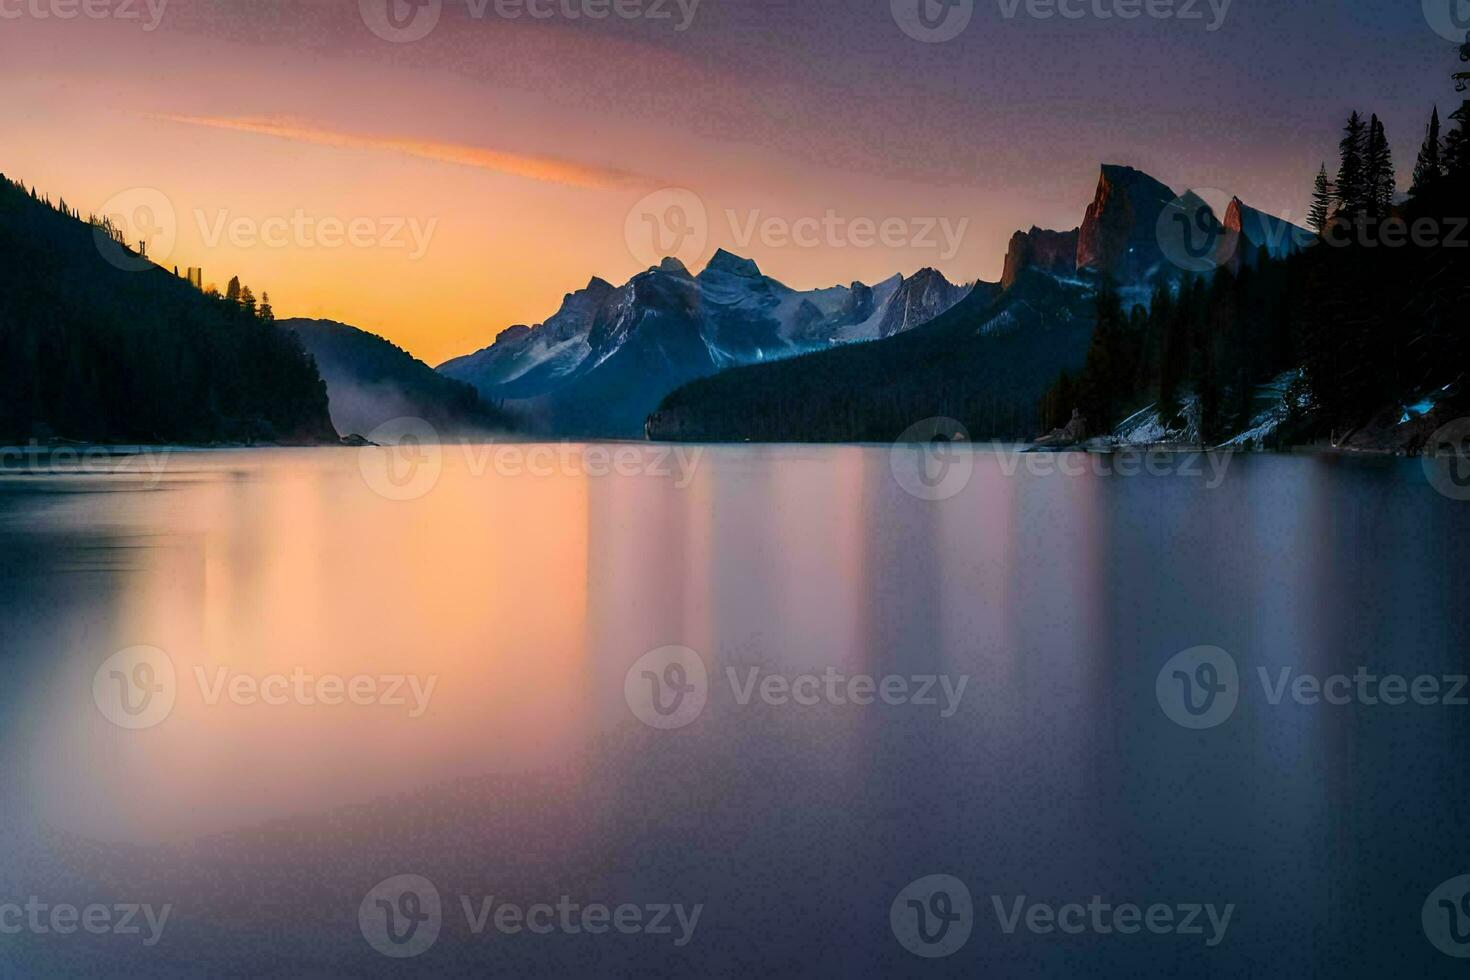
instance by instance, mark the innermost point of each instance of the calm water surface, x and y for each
(523, 772)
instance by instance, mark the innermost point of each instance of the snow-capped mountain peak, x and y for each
(601, 363)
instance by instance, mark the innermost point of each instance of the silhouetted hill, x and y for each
(371, 381)
(124, 351)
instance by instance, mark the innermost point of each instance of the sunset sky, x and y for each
(517, 147)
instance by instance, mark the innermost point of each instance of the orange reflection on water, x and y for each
(476, 593)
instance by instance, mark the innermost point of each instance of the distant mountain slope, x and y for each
(1277, 236)
(985, 362)
(1049, 251)
(92, 350)
(988, 360)
(603, 361)
(371, 381)
(1138, 231)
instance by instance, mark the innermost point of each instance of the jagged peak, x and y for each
(673, 266)
(1055, 250)
(1235, 214)
(597, 288)
(1038, 232)
(1280, 235)
(1238, 211)
(929, 274)
(1121, 175)
(729, 262)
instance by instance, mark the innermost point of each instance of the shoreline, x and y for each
(11, 452)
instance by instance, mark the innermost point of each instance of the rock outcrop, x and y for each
(1247, 230)
(1119, 235)
(1074, 432)
(1054, 252)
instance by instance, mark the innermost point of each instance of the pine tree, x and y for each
(266, 313)
(1456, 155)
(1106, 384)
(1174, 370)
(247, 301)
(232, 291)
(1379, 182)
(1207, 388)
(1429, 168)
(1351, 192)
(1321, 210)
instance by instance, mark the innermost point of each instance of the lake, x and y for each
(731, 711)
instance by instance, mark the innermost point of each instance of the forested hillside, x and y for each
(124, 351)
(371, 381)
(1374, 315)
(1366, 317)
(985, 363)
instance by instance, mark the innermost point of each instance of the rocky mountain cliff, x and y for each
(1137, 229)
(610, 354)
(988, 360)
(603, 361)
(1119, 234)
(1054, 252)
(1278, 236)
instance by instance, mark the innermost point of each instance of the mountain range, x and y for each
(988, 360)
(1138, 231)
(728, 353)
(608, 356)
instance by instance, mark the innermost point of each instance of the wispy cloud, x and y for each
(548, 169)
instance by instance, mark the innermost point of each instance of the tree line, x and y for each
(123, 351)
(1372, 310)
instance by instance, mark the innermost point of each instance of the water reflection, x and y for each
(526, 600)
